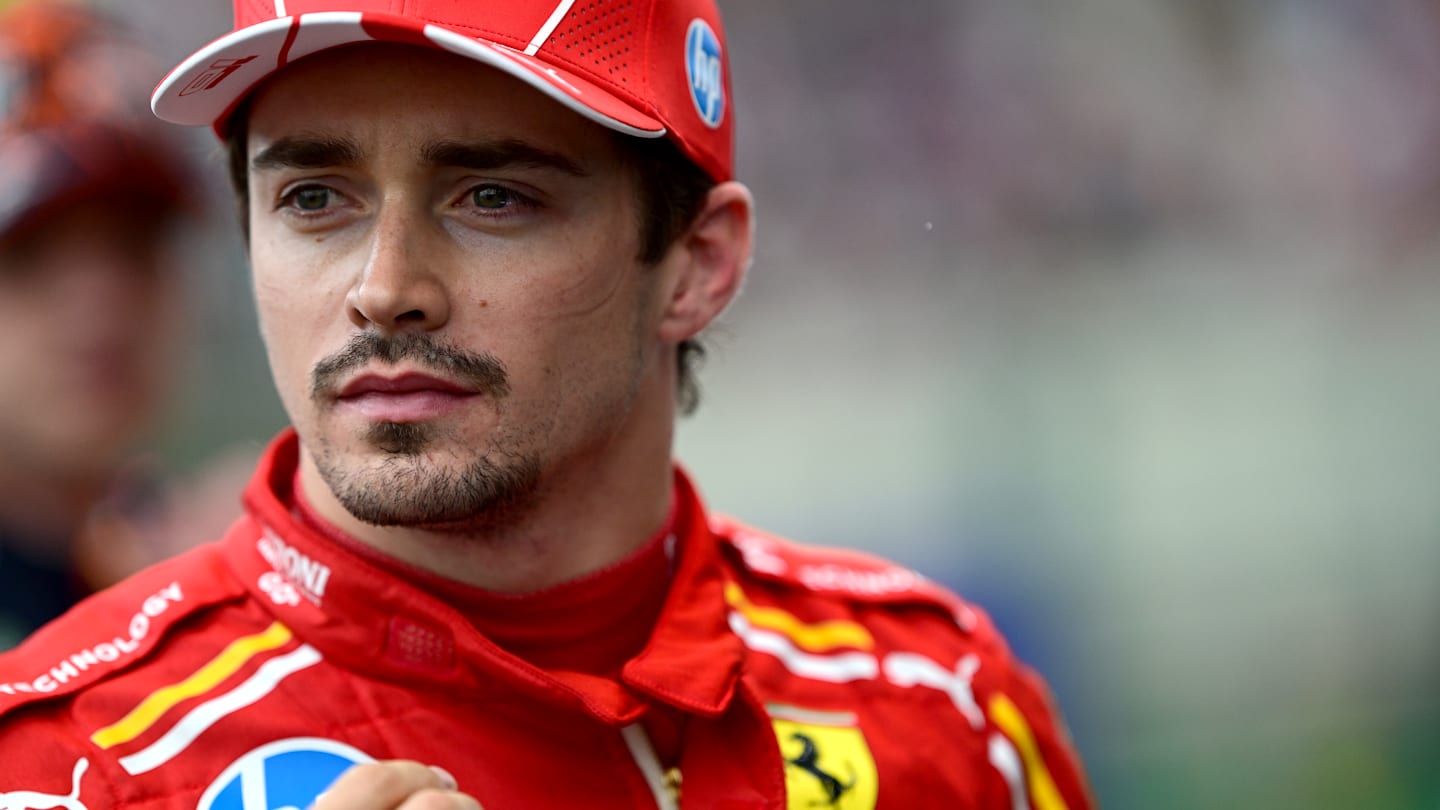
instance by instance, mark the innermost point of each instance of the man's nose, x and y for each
(399, 286)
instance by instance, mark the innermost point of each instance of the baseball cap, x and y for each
(645, 68)
(72, 120)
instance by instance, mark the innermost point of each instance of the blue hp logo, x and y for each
(283, 775)
(703, 67)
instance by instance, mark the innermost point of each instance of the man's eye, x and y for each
(310, 198)
(492, 198)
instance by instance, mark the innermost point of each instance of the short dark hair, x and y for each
(671, 190)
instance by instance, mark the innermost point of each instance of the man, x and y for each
(88, 296)
(483, 236)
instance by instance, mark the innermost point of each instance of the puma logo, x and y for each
(833, 787)
(31, 800)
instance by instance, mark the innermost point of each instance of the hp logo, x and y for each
(704, 68)
(282, 775)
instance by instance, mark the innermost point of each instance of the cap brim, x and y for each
(204, 89)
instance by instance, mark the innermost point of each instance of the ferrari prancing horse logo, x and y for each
(828, 764)
(807, 762)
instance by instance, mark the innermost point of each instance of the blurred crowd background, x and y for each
(1121, 317)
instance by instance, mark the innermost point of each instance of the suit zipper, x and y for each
(664, 784)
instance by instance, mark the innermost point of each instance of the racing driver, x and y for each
(484, 237)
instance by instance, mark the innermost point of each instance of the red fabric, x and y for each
(592, 625)
(288, 643)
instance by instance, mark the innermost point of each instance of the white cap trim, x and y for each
(533, 72)
(549, 27)
(182, 98)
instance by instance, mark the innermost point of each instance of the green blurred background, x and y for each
(1122, 318)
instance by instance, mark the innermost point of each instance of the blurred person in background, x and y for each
(89, 191)
(480, 265)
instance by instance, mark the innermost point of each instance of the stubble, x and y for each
(425, 477)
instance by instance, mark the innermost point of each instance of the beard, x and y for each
(422, 480)
(408, 487)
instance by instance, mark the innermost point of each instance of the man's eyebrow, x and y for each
(501, 154)
(306, 152)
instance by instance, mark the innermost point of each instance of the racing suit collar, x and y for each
(362, 617)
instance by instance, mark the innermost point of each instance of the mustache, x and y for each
(482, 371)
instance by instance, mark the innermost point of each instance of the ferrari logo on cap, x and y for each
(212, 76)
(827, 761)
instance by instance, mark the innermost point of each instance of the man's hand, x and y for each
(395, 785)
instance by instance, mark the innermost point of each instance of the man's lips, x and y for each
(408, 383)
(411, 397)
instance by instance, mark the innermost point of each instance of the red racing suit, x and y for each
(250, 672)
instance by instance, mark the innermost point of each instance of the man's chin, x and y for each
(403, 483)
(400, 438)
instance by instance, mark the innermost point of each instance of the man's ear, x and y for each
(710, 262)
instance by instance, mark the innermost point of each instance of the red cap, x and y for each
(69, 125)
(646, 68)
